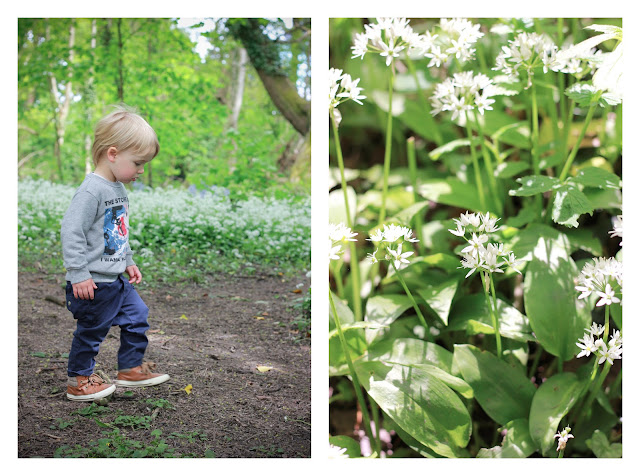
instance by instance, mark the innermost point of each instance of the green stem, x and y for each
(375, 411)
(476, 166)
(387, 150)
(535, 139)
(355, 266)
(413, 302)
(494, 318)
(413, 170)
(535, 133)
(572, 155)
(337, 277)
(606, 322)
(354, 376)
(576, 147)
(496, 322)
(489, 166)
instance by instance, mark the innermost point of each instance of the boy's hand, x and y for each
(134, 274)
(84, 289)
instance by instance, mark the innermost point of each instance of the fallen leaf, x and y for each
(184, 317)
(265, 313)
(168, 297)
(263, 368)
(259, 318)
(188, 389)
(297, 291)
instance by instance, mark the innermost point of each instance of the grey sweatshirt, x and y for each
(95, 231)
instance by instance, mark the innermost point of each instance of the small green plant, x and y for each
(61, 424)
(268, 452)
(115, 444)
(133, 421)
(92, 410)
(190, 437)
(159, 403)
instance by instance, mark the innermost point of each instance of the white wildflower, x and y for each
(398, 256)
(563, 437)
(587, 345)
(607, 297)
(338, 234)
(617, 228)
(342, 88)
(336, 452)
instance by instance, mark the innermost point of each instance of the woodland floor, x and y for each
(206, 336)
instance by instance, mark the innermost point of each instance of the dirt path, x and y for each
(204, 336)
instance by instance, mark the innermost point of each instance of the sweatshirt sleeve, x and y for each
(73, 233)
(129, 256)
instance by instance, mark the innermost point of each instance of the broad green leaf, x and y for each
(354, 337)
(585, 94)
(502, 391)
(439, 298)
(597, 177)
(509, 169)
(409, 351)
(435, 154)
(552, 401)
(470, 313)
(514, 132)
(406, 215)
(420, 403)
(357, 325)
(451, 191)
(616, 314)
(599, 444)
(604, 199)
(344, 441)
(585, 240)
(386, 308)
(411, 442)
(568, 204)
(419, 120)
(534, 184)
(517, 442)
(337, 210)
(525, 216)
(556, 316)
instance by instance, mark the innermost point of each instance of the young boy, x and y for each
(95, 245)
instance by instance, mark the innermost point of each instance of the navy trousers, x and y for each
(114, 304)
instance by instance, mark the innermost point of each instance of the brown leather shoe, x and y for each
(89, 388)
(140, 376)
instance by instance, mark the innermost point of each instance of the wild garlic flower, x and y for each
(465, 92)
(386, 238)
(617, 228)
(526, 53)
(338, 234)
(388, 37)
(341, 89)
(476, 256)
(454, 38)
(336, 452)
(604, 278)
(563, 436)
(604, 351)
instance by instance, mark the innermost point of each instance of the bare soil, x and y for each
(210, 337)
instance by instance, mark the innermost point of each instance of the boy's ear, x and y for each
(111, 153)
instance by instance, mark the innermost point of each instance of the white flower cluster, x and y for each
(455, 38)
(172, 218)
(338, 233)
(603, 278)
(342, 88)
(387, 237)
(592, 343)
(563, 436)
(617, 228)
(527, 52)
(389, 37)
(465, 92)
(476, 256)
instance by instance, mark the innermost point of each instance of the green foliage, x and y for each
(465, 366)
(151, 65)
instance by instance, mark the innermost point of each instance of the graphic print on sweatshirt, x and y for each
(116, 233)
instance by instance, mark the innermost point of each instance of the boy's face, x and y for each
(127, 165)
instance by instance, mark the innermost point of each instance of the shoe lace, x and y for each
(147, 367)
(93, 379)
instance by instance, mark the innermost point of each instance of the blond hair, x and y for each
(124, 129)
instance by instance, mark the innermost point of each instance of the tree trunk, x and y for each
(238, 87)
(88, 159)
(265, 58)
(61, 110)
